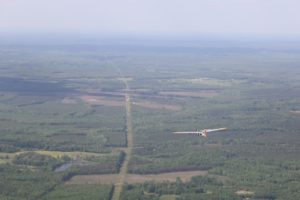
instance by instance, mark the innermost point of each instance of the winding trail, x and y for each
(128, 150)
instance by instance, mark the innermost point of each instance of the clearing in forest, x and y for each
(154, 105)
(295, 111)
(204, 93)
(185, 176)
(97, 100)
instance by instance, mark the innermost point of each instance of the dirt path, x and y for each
(123, 171)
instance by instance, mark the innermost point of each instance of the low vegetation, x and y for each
(75, 192)
(63, 107)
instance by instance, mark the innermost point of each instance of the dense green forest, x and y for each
(63, 115)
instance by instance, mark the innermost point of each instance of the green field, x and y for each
(64, 105)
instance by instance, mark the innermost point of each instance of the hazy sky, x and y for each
(169, 17)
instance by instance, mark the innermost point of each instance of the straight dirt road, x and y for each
(128, 150)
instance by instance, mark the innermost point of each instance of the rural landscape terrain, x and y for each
(95, 120)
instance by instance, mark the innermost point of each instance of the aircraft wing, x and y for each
(187, 132)
(214, 130)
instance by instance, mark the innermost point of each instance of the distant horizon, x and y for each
(155, 18)
(145, 36)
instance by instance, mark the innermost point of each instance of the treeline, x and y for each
(168, 162)
(120, 160)
(85, 166)
(109, 165)
(8, 148)
(61, 144)
(16, 145)
(198, 188)
(39, 160)
(19, 182)
(80, 192)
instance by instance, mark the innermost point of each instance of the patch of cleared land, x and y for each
(135, 178)
(97, 100)
(168, 197)
(244, 193)
(4, 161)
(295, 111)
(153, 105)
(94, 179)
(171, 176)
(7, 155)
(204, 93)
(102, 93)
(68, 100)
(208, 81)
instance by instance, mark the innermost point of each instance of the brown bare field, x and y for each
(154, 105)
(244, 193)
(208, 93)
(94, 179)
(208, 81)
(295, 111)
(97, 100)
(171, 176)
(99, 92)
(135, 178)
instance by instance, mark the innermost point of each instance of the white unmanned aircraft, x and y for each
(203, 132)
